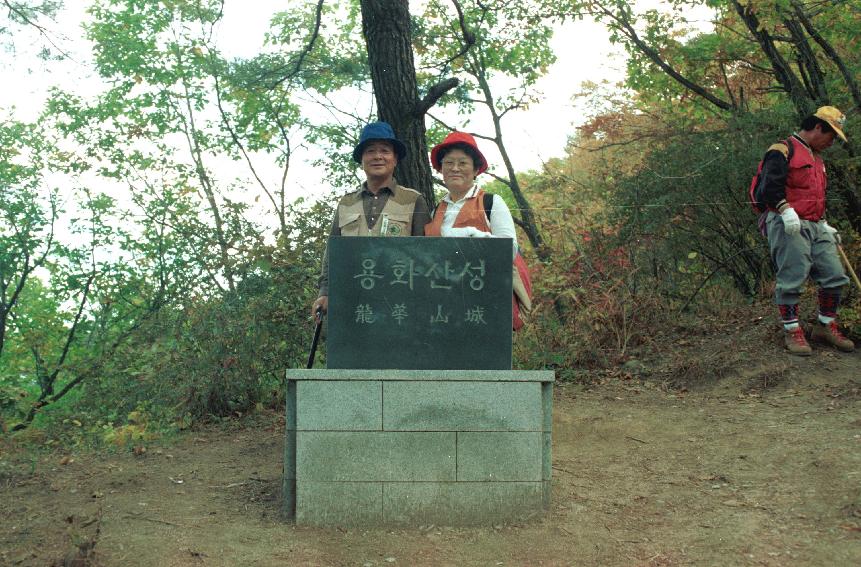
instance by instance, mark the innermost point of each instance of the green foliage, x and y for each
(27, 214)
(705, 103)
(591, 311)
(146, 287)
(183, 357)
(499, 188)
(503, 48)
(222, 355)
(164, 292)
(690, 203)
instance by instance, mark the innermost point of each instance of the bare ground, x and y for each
(715, 459)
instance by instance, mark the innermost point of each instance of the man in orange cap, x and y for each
(801, 242)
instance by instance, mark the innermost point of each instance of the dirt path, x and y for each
(733, 474)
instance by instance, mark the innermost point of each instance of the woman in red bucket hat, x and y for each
(464, 211)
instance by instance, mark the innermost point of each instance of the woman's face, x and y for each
(458, 171)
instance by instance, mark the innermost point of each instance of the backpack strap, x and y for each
(487, 203)
(785, 147)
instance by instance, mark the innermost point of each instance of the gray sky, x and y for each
(531, 136)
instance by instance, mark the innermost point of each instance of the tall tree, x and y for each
(387, 29)
(168, 82)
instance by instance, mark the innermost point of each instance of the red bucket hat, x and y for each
(457, 138)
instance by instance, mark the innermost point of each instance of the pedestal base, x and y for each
(416, 447)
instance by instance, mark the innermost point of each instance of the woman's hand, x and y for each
(465, 232)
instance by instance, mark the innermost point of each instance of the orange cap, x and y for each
(834, 117)
(457, 138)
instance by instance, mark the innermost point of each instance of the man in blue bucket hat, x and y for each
(378, 207)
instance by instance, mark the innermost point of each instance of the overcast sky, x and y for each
(532, 136)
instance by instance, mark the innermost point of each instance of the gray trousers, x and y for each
(812, 252)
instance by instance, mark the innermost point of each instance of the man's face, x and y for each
(379, 159)
(822, 140)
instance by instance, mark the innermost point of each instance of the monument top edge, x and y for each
(422, 375)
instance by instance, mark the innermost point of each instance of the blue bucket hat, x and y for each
(378, 131)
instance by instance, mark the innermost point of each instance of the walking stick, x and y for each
(318, 317)
(849, 267)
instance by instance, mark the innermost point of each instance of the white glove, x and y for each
(465, 232)
(791, 222)
(828, 229)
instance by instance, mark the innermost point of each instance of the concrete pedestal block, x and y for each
(416, 447)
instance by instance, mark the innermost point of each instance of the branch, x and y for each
(238, 142)
(468, 36)
(70, 338)
(634, 140)
(297, 65)
(629, 31)
(787, 79)
(6, 306)
(807, 63)
(434, 95)
(751, 66)
(447, 126)
(713, 272)
(726, 84)
(97, 365)
(16, 9)
(504, 180)
(829, 50)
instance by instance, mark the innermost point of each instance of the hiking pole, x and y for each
(318, 317)
(849, 267)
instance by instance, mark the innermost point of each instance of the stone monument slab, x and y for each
(419, 303)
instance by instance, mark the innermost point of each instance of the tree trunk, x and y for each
(387, 30)
(808, 66)
(829, 51)
(789, 82)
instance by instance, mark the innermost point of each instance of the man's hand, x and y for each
(791, 222)
(322, 303)
(830, 230)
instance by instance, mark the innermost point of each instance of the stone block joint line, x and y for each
(456, 451)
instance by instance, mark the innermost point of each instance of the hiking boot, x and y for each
(829, 334)
(796, 343)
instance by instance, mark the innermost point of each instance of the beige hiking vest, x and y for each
(396, 218)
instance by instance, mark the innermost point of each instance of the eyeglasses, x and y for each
(378, 151)
(461, 163)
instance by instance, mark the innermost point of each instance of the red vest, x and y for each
(806, 182)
